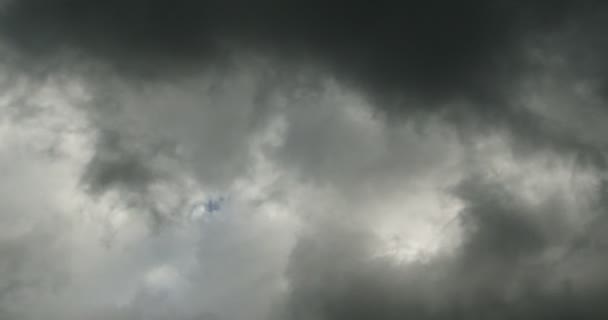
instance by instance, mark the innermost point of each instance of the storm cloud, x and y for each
(434, 51)
(303, 160)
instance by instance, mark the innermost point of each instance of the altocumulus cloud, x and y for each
(386, 160)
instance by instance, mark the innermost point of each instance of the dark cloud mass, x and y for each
(427, 160)
(434, 50)
(501, 272)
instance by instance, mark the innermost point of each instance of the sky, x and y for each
(303, 160)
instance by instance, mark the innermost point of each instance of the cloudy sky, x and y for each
(303, 160)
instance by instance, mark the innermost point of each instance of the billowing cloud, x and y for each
(302, 160)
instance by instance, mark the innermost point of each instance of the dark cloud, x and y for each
(273, 104)
(432, 50)
(501, 270)
(464, 60)
(113, 165)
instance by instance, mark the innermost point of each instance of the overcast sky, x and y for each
(303, 160)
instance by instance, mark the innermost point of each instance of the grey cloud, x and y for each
(466, 59)
(435, 51)
(307, 99)
(501, 271)
(464, 62)
(113, 166)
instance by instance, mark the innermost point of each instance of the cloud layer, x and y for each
(302, 160)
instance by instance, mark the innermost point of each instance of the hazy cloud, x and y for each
(426, 160)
